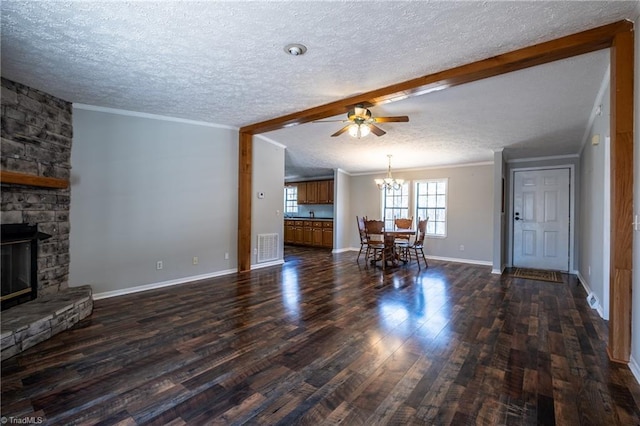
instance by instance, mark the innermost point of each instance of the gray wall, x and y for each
(591, 263)
(469, 212)
(344, 214)
(268, 178)
(146, 189)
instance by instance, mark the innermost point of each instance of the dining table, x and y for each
(395, 257)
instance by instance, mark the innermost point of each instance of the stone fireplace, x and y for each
(35, 163)
(36, 141)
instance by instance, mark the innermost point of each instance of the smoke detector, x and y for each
(295, 49)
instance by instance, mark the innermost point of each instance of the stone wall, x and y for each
(36, 138)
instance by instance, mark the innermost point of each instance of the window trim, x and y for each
(286, 211)
(383, 197)
(446, 203)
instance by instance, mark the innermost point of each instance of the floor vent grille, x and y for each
(267, 247)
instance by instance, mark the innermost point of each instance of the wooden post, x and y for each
(622, 53)
(245, 169)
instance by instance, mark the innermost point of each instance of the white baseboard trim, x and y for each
(445, 259)
(499, 271)
(153, 286)
(634, 367)
(342, 250)
(457, 260)
(267, 264)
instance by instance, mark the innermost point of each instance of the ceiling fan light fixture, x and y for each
(359, 112)
(359, 130)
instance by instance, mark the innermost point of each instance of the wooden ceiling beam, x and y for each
(542, 53)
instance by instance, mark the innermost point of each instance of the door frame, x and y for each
(572, 202)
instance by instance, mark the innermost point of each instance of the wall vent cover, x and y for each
(267, 247)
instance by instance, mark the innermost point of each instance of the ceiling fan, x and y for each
(361, 122)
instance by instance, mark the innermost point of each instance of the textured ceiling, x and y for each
(223, 62)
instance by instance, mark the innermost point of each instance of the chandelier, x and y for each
(389, 182)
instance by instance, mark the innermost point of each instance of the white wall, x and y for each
(343, 214)
(469, 210)
(145, 189)
(267, 178)
(591, 265)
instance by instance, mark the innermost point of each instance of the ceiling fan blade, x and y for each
(376, 130)
(398, 119)
(341, 131)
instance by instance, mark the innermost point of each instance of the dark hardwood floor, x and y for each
(323, 340)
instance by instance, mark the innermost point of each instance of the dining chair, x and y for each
(418, 244)
(402, 241)
(403, 223)
(376, 248)
(364, 241)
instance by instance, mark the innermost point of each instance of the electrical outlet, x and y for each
(255, 251)
(226, 256)
(461, 247)
(159, 265)
(195, 260)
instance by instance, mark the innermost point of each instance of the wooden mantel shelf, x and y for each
(32, 180)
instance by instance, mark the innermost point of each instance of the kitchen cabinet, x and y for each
(325, 195)
(312, 192)
(316, 231)
(299, 234)
(313, 233)
(289, 232)
(302, 192)
(289, 235)
(307, 234)
(327, 234)
(315, 192)
(293, 231)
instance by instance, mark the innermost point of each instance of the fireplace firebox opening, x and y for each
(19, 244)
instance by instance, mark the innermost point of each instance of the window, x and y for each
(291, 199)
(431, 202)
(395, 203)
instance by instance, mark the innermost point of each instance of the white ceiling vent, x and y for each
(267, 247)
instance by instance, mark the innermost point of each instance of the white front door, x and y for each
(541, 219)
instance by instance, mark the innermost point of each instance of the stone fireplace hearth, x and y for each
(30, 323)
